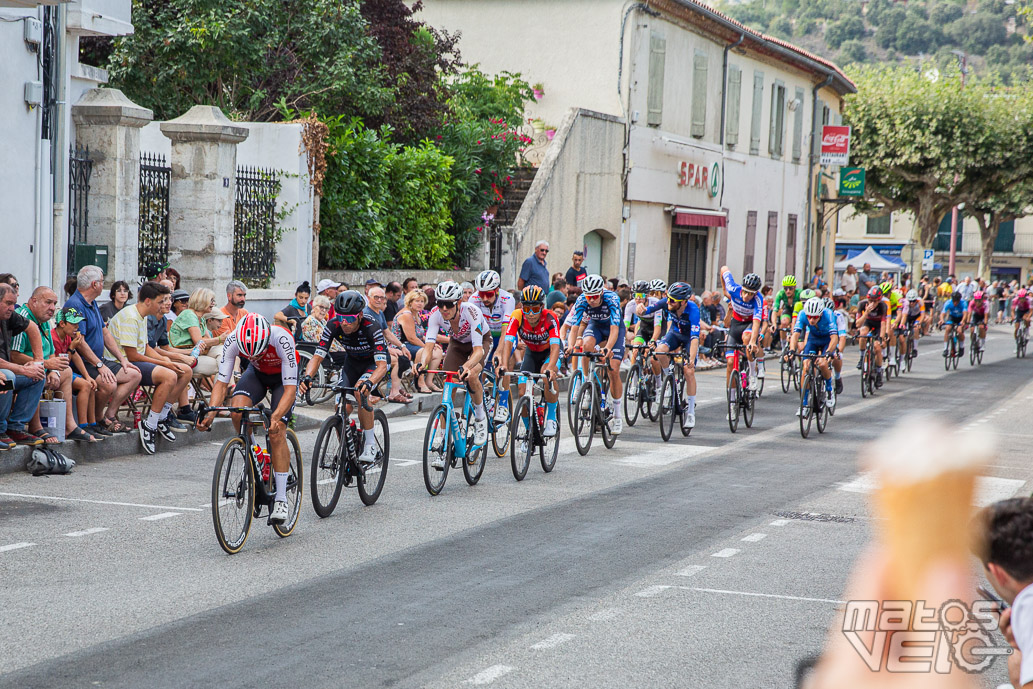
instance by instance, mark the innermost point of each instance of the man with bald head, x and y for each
(376, 303)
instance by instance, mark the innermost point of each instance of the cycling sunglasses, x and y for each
(675, 302)
(535, 307)
(640, 295)
(350, 319)
(593, 296)
(487, 295)
(446, 304)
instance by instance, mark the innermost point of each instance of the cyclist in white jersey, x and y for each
(496, 306)
(469, 342)
(273, 368)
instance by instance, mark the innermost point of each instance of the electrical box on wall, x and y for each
(33, 92)
(33, 33)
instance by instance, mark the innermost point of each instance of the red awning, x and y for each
(700, 220)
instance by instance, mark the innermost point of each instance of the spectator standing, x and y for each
(377, 301)
(395, 301)
(848, 283)
(558, 295)
(118, 296)
(468, 290)
(26, 381)
(576, 272)
(818, 279)
(129, 329)
(113, 385)
(236, 297)
(67, 341)
(967, 288)
(39, 309)
(173, 274)
(296, 311)
(328, 288)
(866, 280)
(535, 270)
(408, 285)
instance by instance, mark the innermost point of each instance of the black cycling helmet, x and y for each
(349, 303)
(679, 291)
(752, 282)
(640, 287)
(955, 296)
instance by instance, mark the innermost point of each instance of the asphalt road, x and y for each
(688, 564)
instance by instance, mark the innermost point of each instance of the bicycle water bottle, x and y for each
(541, 416)
(263, 461)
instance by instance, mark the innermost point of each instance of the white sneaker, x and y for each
(550, 428)
(501, 414)
(369, 454)
(830, 398)
(690, 420)
(279, 512)
(480, 431)
(754, 384)
(616, 423)
(799, 412)
(438, 462)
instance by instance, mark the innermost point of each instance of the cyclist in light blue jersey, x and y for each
(684, 335)
(822, 338)
(597, 320)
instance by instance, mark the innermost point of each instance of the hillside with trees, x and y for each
(989, 32)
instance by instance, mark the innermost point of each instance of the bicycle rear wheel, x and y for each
(327, 476)
(821, 411)
(667, 407)
(866, 373)
(473, 465)
(233, 495)
(604, 415)
(734, 392)
(295, 486)
(372, 477)
(550, 451)
(632, 387)
(786, 374)
(583, 419)
(806, 404)
(761, 375)
(523, 434)
(749, 401)
(437, 446)
(577, 380)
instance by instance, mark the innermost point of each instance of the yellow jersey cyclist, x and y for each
(538, 328)
(597, 320)
(468, 343)
(783, 310)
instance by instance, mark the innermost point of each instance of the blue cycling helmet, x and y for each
(679, 291)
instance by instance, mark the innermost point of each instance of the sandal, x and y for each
(47, 437)
(79, 435)
(420, 389)
(399, 398)
(114, 425)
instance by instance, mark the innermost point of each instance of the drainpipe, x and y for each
(810, 172)
(37, 191)
(60, 151)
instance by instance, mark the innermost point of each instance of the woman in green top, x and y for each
(188, 331)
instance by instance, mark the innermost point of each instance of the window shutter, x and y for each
(758, 104)
(751, 242)
(699, 95)
(655, 93)
(732, 107)
(777, 119)
(798, 127)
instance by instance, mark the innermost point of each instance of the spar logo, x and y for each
(700, 176)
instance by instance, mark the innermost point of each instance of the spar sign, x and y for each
(835, 145)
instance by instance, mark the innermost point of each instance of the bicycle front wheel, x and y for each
(372, 477)
(806, 404)
(786, 375)
(550, 451)
(437, 450)
(577, 379)
(583, 419)
(473, 465)
(821, 408)
(667, 407)
(295, 486)
(327, 477)
(522, 434)
(749, 401)
(734, 391)
(632, 395)
(233, 495)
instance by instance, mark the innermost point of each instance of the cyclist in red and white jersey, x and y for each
(273, 368)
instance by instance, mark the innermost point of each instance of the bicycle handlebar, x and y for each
(343, 388)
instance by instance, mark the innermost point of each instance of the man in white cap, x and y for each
(328, 288)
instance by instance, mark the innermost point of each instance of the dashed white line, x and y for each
(762, 595)
(727, 552)
(691, 570)
(652, 591)
(156, 517)
(86, 532)
(404, 462)
(15, 546)
(552, 641)
(101, 502)
(779, 522)
(489, 675)
(604, 615)
(754, 537)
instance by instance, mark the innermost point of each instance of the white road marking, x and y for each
(727, 552)
(754, 537)
(604, 615)
(15, 546)
(690, 570)
(419, 423)
(763, 595)
(652, 591)
(156, 517)
(101, 502)
(552, 641)
(663, 456)
(405, 462)
(86, 532)
(779, 522)
(490, 674)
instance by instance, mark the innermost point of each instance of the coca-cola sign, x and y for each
(835, 145)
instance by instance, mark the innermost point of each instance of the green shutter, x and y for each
(732, 105)
(655, 94)
(776, 128)
(798, 127)
(699, 95)
(758, 104)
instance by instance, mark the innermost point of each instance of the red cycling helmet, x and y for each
(253, 334)
(875, 293)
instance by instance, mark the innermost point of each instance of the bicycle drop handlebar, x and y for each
(343, 388)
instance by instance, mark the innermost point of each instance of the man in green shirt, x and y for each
(782, 308)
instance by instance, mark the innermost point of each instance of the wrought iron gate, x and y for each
(155, 177)
(254, 226)
(80, 168)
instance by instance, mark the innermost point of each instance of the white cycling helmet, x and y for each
(593, 284)
(449, 290)
(912, 295)
(813, 306)
(658, 285)
(487, 281)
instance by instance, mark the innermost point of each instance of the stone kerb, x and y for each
(202, 194)
(108, 123)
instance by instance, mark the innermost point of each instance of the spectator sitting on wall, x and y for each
(312, 327)
(190, 330)
(329, 289)
(236, 297)
(67, 341)
(158, 340)
(20, 399)
(71, 284)
(39, 309)
(114, 385)
(296, 311)
(371, 283)
(180, 297)
(576, 272)
(119, 297)
(411, 330)
(394, 293)
(129, 328)
(535, 270)
(377, 300)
